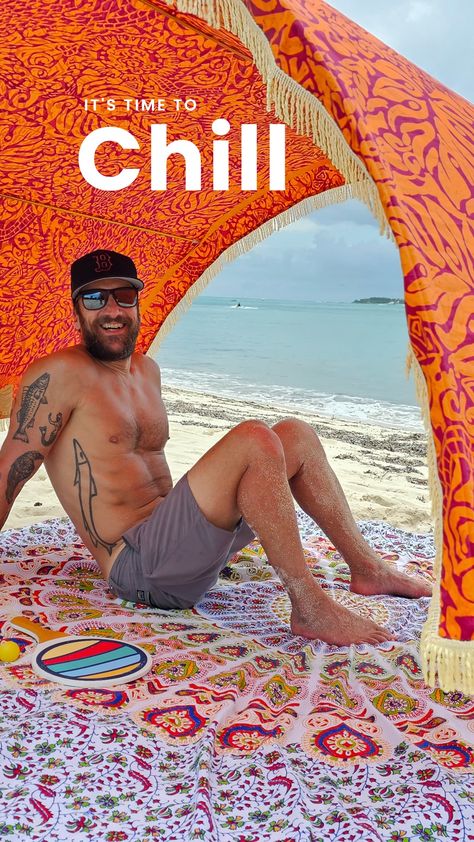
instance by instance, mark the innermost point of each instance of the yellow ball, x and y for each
(9, 650)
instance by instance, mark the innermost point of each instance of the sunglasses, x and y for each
(95, 299)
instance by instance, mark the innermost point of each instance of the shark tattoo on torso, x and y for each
(87, 490)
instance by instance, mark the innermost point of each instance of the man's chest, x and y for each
(121, 422)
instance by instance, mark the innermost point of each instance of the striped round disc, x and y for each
(90, 661)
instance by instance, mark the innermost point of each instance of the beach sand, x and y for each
(383, 471)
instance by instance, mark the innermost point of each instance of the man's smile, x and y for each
(114, 326)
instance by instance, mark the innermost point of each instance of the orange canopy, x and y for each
(362, 121)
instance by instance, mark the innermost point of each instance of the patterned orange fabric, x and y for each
(51, 61)
(412, 134)
(415, 138)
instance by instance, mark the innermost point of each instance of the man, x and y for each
(94, 414)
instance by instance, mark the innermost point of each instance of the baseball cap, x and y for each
(101, 264)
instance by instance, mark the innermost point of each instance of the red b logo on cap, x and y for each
(102, 262)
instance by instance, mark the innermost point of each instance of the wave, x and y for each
(342, 407)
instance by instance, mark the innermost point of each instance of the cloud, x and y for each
(320, 257)
(418, 10)
(352, 211)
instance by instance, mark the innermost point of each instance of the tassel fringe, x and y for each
(293, 104)
(449, 662)
(6, 400)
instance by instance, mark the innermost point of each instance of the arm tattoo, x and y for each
(32, 397)
(57, 424)
(22, 469)
(87, 489)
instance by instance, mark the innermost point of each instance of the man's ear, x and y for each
(75, 317)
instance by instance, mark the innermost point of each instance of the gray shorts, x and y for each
(171, 559)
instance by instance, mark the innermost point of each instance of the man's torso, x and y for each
(108, 466)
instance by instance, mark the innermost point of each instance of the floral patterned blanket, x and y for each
(240, 731)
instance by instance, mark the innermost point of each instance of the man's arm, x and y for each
(41, 410)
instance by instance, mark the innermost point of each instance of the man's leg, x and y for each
(245, 473)
(317, 490)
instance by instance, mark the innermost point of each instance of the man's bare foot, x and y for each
(379, 577)
(325, 620)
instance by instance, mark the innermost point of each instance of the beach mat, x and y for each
(240, 731)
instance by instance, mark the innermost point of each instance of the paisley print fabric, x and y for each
(240, 731)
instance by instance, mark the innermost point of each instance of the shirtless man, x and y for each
(94, 414)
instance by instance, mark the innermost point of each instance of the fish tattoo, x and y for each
(22, 469)
(87, 490)
(56, 424)
(32, 398)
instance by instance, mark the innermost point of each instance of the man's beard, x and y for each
(99, 349)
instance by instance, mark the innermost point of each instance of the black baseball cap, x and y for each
(101, 264)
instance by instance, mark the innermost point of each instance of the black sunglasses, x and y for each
(95, 299)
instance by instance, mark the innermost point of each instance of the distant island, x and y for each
(375, 300)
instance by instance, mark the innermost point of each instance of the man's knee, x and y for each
(294, 427)
(258, 436)
(296, 434)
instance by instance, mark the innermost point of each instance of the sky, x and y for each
(337, 253)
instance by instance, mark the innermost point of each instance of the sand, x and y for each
(383, 471)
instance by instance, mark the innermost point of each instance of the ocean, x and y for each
(344, 361)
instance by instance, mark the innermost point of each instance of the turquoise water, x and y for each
(339, 360)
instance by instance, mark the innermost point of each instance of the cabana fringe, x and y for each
(449, 661)
(245, 244)
(294, 105)
(6, 398)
